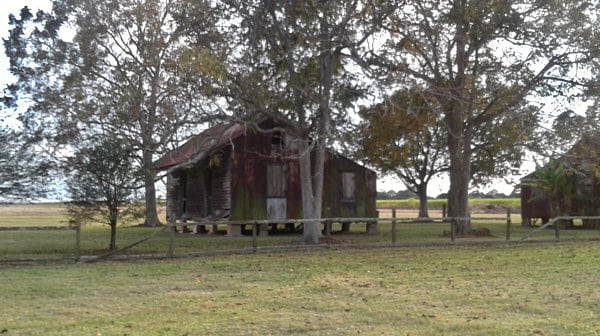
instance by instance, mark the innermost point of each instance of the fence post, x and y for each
(328, 225)
(452, 229)
(78, 237)
(394, 228)
(557, 229)
(171, 229)
(508, 223)
(254, 234)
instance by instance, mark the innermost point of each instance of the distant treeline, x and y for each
(406, 194)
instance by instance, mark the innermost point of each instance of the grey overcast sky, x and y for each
(6, 8)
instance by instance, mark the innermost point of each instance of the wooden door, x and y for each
(276, 192)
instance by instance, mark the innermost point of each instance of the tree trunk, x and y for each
(310, 232)
(113, 235)
(318, 178)
(151, 218)
(324, 122)
(458, 196)
(422, 193)
(312, 180)
(151, 209)
(457, 110)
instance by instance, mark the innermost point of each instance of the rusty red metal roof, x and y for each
(200, 146)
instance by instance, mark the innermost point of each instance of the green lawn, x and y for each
(503, 289)
(533, 289)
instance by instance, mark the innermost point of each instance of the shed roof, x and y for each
(587, 148)
(213, 139)
(200, 146)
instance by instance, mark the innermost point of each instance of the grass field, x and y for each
(535, 289)
(524, 289)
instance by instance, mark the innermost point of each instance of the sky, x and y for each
(8, 7)
(385, 183)
(14, 6)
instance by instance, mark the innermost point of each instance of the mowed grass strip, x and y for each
(545, 289)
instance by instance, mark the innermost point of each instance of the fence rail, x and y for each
(76, 228)
(556, 222)
(169, 232)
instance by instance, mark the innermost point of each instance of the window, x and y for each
(348, 186)
(277, 139)
(277, 143)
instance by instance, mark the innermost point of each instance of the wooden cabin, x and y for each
(584, 196)
(236, 173)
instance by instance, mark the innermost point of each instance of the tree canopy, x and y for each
(146, 71)
(24, 174)
(295, 56)
(482, 61)
(122, 67)
(404, 136)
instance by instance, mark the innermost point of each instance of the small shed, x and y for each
(533, 203)
(236, 172)
(584, 197)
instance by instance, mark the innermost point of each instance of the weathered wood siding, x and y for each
(173, 197)
(248, 196)
(349, 189)
(255, 177)
(195, 192)
(220, 197)
(256, 158)
(294, 190)
(533, 205)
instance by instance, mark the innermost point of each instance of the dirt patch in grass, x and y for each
(475, 233)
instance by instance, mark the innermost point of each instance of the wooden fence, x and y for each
(76, 227)
(327, 223)
(172, 228)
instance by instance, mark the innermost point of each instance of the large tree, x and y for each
(482, 60)
(294, 63)
(404, 136)
(121, 66)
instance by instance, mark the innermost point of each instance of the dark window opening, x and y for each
(277, 139)
(277, 142)
(208, 185)
(183, 184)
